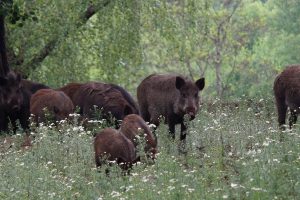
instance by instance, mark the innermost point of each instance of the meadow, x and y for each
(232, 153)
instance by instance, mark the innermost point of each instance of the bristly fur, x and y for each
(171, 96)
(56, 102)
(287, 94)
(105, 96)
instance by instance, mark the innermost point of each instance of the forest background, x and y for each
(238, 45)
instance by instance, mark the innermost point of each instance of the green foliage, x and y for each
(124, 41)
(233, 153)
(118, 46)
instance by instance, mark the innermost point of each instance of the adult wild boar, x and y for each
(287, 94)
(112, 145)
(11, 98)
(70, 89)
(134, 126)
(105, 96)
(170, 96)
(56, 102)
(10, 83)
(23, 113)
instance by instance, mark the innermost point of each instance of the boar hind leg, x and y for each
(145, 113)
(292, 118)
(153, 115)
(24, 120)
(281, 109)
(171, 129)
(98, 161)
(3, 122)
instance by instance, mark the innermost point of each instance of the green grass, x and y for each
(232, 154)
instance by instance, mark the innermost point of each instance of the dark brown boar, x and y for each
(70, 89)
(132, 126)
(56, 102)
(11, 99)
(112, 145)
(14, 94)
(28, 88)
(105, 96)
(10, 91)
(287, 94)
(127, 97)
(17, 94)
(170, 96)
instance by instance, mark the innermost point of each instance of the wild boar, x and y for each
(105, 96)
(110, 144)
(70, 89)
(134, 126)
(287, 94)
(11, 99)
(170, 96)
(56, 102)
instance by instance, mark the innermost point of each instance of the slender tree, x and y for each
(4, 63)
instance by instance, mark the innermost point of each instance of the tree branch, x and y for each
(53, 43)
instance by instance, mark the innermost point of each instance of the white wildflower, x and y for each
(172, 180)
(225, 196)
(191, 189)
(171, 187)
(266, 143)
(115, 194)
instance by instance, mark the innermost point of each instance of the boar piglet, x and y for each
(134, 126)
(112, 145)
(56, 102)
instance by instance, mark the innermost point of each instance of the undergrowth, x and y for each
(232, 153)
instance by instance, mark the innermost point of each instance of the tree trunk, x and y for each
(217, 62)
(4, 68)
(188, 64)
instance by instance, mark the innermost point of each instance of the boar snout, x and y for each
(15, 104)
(16, 107)
(152, 153)
(191, 111)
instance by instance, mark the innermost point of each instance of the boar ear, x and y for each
(3, 81)
(200, 83)
(127, 110)
(179, 82)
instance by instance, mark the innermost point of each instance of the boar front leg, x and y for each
(183, 131)
(171, 129)
(182, 143)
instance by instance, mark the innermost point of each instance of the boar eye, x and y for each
(183, 95)
(196, 95)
